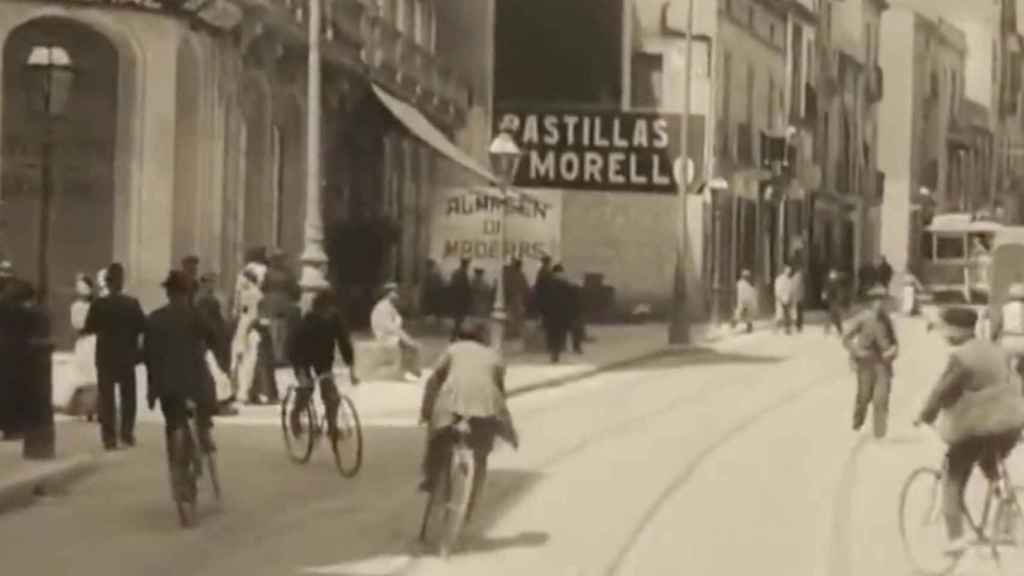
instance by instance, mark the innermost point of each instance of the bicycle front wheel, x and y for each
(299, 429)
(183, 473)
(347, 444)
(922, 526)
(462, 477)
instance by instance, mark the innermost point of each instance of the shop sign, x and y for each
(467, 223)
(599, 150)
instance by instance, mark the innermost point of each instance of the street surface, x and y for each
(732, 460)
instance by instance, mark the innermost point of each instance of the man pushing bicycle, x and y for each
(979, 397)
(311, 354)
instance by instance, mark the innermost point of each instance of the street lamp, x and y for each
(51, 69)
(714, 188)
(504, 154)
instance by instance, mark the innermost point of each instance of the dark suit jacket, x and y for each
(175, 345)
(118, 322)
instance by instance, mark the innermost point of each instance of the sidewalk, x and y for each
(21, 481)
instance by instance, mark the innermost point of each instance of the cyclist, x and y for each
(311, 354)
(468, 382)
(174, 349)
(979, 397)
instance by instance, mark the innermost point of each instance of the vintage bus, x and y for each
(956, 257)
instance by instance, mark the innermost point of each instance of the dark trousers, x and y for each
(555, 334)
(328, 393)
(874, 381)
(123, 377)
(266, 377)
(986, 451)
(176, 417)
(835, 319)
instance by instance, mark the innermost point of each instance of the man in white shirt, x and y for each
(386, 323)
(784, 298)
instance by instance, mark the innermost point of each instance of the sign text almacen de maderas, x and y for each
(594, 150)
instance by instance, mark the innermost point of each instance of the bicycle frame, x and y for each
(1002, 481)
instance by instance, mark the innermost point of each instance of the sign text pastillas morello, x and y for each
(595, 150)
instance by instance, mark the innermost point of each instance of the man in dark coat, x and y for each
(176, 340)
(978, 396)
(556, 311)
(16, 330)
(460, 294)
(118, 322)
(540, 284)
(884, 271)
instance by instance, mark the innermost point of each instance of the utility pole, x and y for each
(679, 329)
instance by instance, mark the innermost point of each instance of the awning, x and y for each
(422, 128)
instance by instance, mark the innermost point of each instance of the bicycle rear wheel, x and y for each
(348, 444)
(448, 504)
(299, 435)
(922, 526)
(183, 472)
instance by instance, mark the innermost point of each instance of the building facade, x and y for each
(184, 133)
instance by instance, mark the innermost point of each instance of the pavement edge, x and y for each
(46, 477)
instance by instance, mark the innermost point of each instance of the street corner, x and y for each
(25, 480)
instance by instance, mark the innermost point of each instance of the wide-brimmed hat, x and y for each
(877, 293)
(1016, 291)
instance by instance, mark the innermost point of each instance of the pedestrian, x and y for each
(246, 341)
(176, 338)
(218, 357)
(833, 298)
(432, 293)
(118, 322)
(784, 299)
(884, 271)
(386, 323)
(556, 312)
(983, 415)
(540, 284)
(85, 344)
(481, 296)
(460, 296)
(799, 294)
(873, 347)
(517, 294)
(911, 288)
(746, 302)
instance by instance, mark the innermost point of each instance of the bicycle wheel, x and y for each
(300, 434)
(183, 476)
(461, 473)
(211, 470)
(347, 445)
(922, 527)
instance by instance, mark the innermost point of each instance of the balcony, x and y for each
(876, 84)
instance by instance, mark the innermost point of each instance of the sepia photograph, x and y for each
(511, 287)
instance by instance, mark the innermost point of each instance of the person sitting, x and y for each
(980, 400)
(386, 323)
(468, 383)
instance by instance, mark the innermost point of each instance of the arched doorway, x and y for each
(82, 141)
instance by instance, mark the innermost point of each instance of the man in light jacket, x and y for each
(386, 323)
(784, 299)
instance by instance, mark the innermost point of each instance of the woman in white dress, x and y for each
(85, 345)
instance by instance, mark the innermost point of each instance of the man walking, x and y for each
(746, 302)
(783, 299)
(556, 312)
(460, 296)
(873, 348)
(832, 295)
(517, 290)
(118, 322)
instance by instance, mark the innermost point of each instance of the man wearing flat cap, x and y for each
(873, 348)
(982, 413)
(176, 340)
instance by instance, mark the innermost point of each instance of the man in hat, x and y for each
(746, 302)
(460, 296)
(386, 323)
(118, 322)
(517, 289)
(873, 348)
(176, 340)
(832, 296)
(1008, 326)
(982, 412)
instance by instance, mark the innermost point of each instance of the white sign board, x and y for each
(467, 223)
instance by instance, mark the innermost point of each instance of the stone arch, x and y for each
(289, 185)
(90, 200)
(187, 150)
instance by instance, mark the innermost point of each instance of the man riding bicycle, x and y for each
(979, 397)
(311, 354)
(174, 349)
(467, 383)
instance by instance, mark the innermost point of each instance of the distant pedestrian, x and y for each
(556, 311)
(746, 302)
(432, 300)
(797, 280)
(833, 297)
(386, 323)
(884, 272)
(118, 322)
(85, 344)
(540, 284)
(481, 296)
(517, 295)
(873, 347)
(784, 299)
(246, 341)
(912, 287)
(460, 295)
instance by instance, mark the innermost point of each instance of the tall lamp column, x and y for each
(504, 154)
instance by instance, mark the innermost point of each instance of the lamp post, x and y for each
(50, 68)
(715, 187)
(504, 154)
(313, 258)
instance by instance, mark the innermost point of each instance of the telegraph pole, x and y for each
(679, 329)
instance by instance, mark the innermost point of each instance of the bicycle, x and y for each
(455, 489)
(1002, 501)
(185, 461)
(300, 442)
